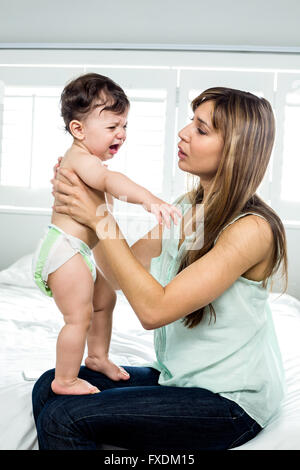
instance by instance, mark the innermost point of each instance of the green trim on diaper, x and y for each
(52, 235)
(88, 261)
(86, 253)
(49, 241)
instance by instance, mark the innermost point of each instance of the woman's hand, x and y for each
(56, 166)
(74, 198)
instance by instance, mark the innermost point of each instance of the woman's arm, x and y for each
(241, 246)
(144, 249)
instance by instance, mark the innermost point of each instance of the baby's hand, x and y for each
(163, 211)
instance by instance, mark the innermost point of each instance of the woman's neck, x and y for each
(206, 185)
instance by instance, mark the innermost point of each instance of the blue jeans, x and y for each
(138, 414)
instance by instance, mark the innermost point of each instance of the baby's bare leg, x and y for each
(72, 287)
(99, 334)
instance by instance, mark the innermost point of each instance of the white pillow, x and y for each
(19, 273)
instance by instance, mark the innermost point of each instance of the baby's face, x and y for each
(105, 132)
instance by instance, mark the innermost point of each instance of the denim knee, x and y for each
(52, 425)
(42, 392)
(57, 428)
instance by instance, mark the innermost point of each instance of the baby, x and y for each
(95, 110)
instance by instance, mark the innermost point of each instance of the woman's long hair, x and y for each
(247, 125)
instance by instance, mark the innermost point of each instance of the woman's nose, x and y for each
(184, 133)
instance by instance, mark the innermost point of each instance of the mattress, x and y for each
(30, 323)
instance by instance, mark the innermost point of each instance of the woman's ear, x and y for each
(76, 129)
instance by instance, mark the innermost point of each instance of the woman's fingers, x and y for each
(62, 209)
(62, 188)
(70, 176)
(56, 166)
(62, 198)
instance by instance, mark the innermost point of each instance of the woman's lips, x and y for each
(181, 154)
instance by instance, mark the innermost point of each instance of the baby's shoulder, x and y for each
(77, 156)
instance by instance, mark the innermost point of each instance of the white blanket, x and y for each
(30, 323)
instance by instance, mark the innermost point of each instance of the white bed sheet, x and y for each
(29, 325)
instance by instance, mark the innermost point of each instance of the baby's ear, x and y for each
(76, 129)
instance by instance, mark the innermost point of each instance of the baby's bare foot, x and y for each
(107, 367)
(76, 387)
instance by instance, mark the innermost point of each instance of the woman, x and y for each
(217, 379)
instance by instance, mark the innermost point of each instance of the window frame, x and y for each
(130, 79)
(179, 65)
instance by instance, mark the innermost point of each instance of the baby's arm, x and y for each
(96, 175)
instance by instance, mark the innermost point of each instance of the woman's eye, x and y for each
(200, 131)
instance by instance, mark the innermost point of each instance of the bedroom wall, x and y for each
(234, 22)
(271, 23)
(20, 234)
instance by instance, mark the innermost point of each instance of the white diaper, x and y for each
(55, 249)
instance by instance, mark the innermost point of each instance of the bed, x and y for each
(30, 323)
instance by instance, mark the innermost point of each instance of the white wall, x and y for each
(20, 233)
(230, 22)
(292, 235)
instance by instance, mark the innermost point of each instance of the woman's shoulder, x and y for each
(251, 235)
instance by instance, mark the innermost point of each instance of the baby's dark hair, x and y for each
(79, 95)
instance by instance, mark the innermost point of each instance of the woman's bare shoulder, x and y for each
(249, 233)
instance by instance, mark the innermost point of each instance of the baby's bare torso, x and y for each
(65, 222)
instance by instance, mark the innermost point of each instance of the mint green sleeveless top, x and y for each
(237, 356)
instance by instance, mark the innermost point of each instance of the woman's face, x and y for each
(200, 147)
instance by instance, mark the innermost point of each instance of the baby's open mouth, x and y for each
(114, 148)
